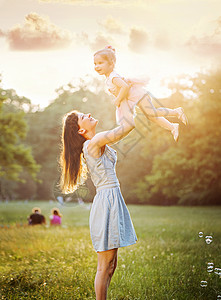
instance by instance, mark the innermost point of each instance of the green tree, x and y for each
(15, 157)
(190, 172)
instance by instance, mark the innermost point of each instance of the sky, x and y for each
(45, 44)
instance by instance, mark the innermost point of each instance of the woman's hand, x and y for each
(112, 136)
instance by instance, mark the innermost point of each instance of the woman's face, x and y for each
(86, 122)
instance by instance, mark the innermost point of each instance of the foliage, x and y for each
(190, 172)
(151, 167)
(15, 157)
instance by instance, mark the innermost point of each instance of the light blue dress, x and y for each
(110, 223)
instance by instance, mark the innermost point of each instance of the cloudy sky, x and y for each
(46, 44)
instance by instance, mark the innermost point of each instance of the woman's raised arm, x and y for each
(111, 136)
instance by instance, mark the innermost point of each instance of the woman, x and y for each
(110, 223)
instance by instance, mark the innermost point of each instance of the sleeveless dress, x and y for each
(110, 223)
(136, 93)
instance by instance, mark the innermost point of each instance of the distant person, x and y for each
(36, 217)
(55, 218)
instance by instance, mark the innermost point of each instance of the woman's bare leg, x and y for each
(107, 263)
(114, 268)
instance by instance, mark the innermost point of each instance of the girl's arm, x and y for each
(110, 137)
(124, 88)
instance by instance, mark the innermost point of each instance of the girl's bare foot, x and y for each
(181, 115)
(175, 131)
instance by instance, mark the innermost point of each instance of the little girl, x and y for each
(55, 218)
(129, 93)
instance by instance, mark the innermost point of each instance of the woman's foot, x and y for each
(175, 131)
(181, 115)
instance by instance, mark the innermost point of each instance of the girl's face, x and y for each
(102, 66)
(86, 123)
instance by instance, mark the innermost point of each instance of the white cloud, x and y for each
(138, 40)
(38, 33)
(207, 45)
(99, 2)
(99, 42)
(2, 34)
(162, 41)
(111, 25)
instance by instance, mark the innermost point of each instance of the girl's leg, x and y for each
(161, 121)
(107, 263)
(149, 109)
(172, 127)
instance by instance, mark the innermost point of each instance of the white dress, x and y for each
(110, 223)
(135, 94)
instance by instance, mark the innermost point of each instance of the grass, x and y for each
(168, 262)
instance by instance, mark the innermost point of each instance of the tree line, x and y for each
(152, 168)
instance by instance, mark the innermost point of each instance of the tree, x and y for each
(15, 157)
(190, 172)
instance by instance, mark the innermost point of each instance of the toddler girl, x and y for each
(129, 93)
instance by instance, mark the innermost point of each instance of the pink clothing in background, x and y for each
(55, 220)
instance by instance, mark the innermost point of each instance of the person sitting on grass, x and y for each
(55, 218)
(36, 217)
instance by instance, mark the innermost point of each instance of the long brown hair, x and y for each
(73, 170)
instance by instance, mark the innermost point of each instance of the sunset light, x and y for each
(110, 149)
(45, 44)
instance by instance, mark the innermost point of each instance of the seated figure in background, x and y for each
(36, 217)
(55, 218)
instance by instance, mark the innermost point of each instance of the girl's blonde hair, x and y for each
(108, 53)
(73, 169)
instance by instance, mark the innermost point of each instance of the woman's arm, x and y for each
(110, 137)
(124, 88)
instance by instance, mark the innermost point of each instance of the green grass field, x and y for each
(168, 262)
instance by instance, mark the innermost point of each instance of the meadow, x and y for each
(169, 260)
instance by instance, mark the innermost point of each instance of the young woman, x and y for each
(110, 223)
